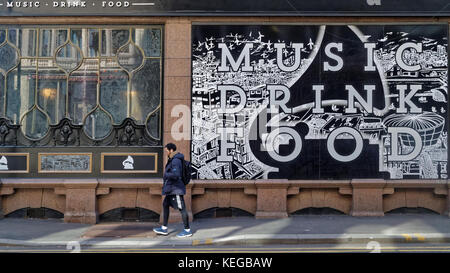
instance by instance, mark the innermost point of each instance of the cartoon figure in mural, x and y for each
(410, 77)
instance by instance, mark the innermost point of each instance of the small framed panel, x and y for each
(65, 162)
(129, 162)
(14, 162)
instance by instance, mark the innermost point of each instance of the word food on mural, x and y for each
(304, 102)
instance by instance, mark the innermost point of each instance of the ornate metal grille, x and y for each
(80, 86)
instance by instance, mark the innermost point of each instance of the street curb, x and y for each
(243, 240)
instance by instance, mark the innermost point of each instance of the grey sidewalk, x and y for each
(398, 228)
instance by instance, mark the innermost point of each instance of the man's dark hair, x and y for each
(171, 146)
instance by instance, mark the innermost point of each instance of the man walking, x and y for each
(174, 190)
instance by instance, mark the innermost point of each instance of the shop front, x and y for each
(280, 108)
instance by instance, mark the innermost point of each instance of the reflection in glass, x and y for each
(2, 36)
(21, 84)
(34, 125)
(68, 57)
(76, 36)
(98, 124)
(113, 93)
(130, 57)
(83, 74)
(149, 40)
(155, 46)
(145, 86)
(82, 94)
(46, 43)
(93, 43)
(52, 93)
(9, 57)
(28, 43)
(61, 37)
(12, 36)
(112, 40)
(2, 95)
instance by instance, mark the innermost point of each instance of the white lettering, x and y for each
(225, 144)
(223, 99)
(339, 60)
(273, 96)
(345, 130)
(297, 60)
(399, 56)
(370, 47)
(395, 131)
(352, 94)
(402, 99)
(244, 56)
(318, 104)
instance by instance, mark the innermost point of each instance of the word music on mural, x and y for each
(320, 102)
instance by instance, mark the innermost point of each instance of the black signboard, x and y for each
(129, 162)
(14, 162)
(320, 102)
(436, 8)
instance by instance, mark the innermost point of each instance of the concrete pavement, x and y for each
(308, 229)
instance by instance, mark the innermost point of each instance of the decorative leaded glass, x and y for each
(9, 57)
(95, 77)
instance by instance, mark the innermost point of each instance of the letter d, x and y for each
(223, 99)
(395, 156)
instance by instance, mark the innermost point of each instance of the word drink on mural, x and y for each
(320, 102)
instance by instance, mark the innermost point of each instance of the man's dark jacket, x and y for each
(173, 184)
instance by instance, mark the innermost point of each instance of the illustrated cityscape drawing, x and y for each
(429, 123)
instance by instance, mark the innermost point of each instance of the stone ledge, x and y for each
(409, 183)
(129, 183)
(368, 183)
(320, 183)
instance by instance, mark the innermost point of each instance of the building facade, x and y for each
(279, 109)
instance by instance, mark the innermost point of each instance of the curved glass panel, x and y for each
(20, 87)
(61, 37)
(149, 40)
(113, 93)
(98, 124)
(113, 39)
(130, 57)
(52, 93)
(68, 57)
(34, 125)
(153, 125)
(9, 57)
(83, 91)
(145, 90)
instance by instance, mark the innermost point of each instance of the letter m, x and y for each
(227, 57)
(9, 4)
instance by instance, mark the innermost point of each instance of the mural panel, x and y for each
(320, 102)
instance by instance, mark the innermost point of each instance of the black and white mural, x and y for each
(320, 102)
